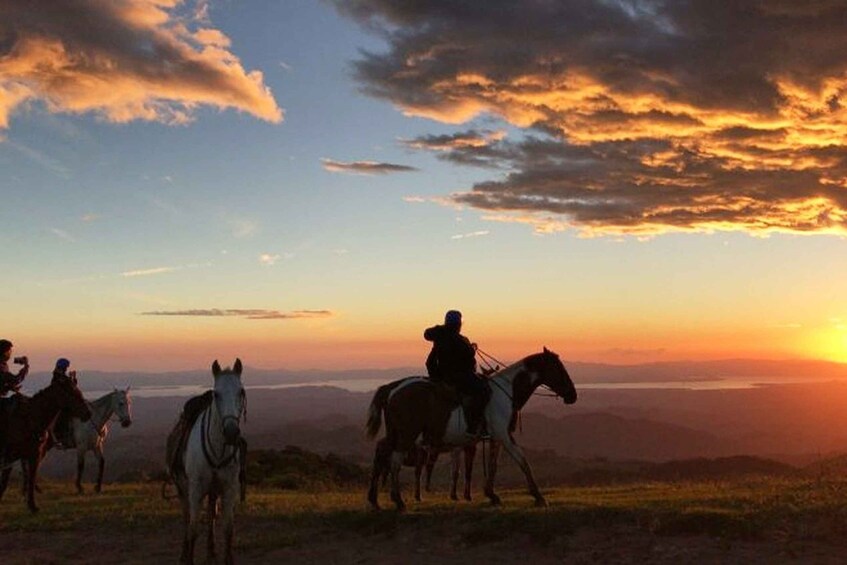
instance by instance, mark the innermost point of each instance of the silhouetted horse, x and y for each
(417, 412)
(27, 428)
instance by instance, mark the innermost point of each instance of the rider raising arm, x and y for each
(10, 382)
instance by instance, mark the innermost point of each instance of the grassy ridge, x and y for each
(750, 509)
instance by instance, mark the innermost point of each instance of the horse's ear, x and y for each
(237, 367)
(128, 387)
(216, 368)
(546, 350)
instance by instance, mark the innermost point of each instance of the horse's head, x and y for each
(122, 406)
(552, 373)
(230, 399)
(69, 398)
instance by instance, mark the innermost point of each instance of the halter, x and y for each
(218, 461)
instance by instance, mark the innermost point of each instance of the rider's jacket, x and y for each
(452, 356)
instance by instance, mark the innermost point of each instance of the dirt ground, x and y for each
(616, 545)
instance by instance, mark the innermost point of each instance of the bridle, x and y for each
(220, 460)
(496, 366)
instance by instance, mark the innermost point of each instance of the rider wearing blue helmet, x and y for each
(62, 433)
(453, 360)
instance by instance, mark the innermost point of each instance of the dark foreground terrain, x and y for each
(745, 521)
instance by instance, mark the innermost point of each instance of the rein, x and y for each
(214, 461)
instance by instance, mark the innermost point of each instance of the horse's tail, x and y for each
(378, 404)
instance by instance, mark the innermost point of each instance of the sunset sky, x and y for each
(311, 183)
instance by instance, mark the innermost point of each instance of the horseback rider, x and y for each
(452, 360)
(9, 383)
(63, 428)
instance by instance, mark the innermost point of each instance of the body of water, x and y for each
(367, 385)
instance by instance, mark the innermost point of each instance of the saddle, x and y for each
(452, 398)
(178, 440)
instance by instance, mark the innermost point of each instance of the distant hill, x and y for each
(607, 435)
(581, 372)
(671, 371)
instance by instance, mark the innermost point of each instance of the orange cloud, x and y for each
(642, 117)
(124, 60)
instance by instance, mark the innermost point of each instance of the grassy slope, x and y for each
(135, 519)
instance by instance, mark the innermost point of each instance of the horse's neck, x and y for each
(43, 410)
(102, 409)
(520, 381)
(214, 426)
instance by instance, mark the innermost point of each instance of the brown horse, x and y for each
(417, 412)
(27, 429)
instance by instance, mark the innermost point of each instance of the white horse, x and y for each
(415, 412)
(212, 463)
(91, 435)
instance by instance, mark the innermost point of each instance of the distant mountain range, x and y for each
(581, 373)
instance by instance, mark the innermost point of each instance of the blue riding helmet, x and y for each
(62, 364)
(453, 318)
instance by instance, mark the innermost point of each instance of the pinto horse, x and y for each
(416, 413)
(27, 429)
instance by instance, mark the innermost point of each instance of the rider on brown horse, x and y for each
(9, 382)
(453, 361)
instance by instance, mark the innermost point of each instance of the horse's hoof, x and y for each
(453, 497)
(98, 490)
(417, 499)
(468, 497)
(540, 503)
(34, 509)
(495, 500)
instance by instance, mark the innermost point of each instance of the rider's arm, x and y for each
(432, 364)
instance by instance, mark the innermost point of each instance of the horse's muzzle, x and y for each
(126, 423)
(231, 432)
(570, 398)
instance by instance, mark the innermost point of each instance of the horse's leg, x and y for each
(228, 500)
(470, 454)
(517, 454)
(4, 480)
(431, 457)
(397, 458)
(195, 505)
(24, 475)
(101, 466)
(493, 453)
(420, 461)
(212, 514)
(454, 474)
(80, 469)
(32, 465)
(380, 468)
